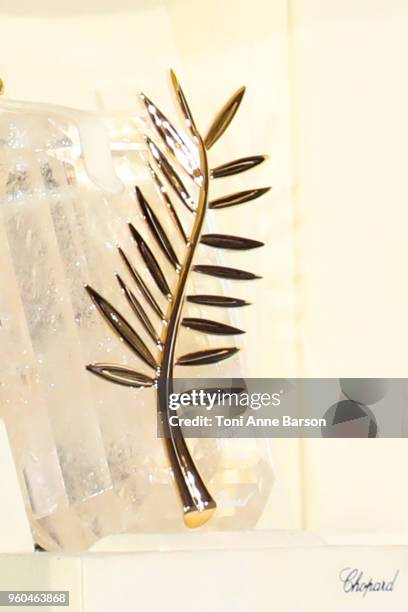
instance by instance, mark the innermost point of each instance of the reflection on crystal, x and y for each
(88, 456)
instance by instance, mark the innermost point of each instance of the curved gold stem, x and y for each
(198, 505)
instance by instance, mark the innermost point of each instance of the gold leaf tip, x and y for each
(2, 87)
(223, 118)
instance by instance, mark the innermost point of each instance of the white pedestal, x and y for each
(258, 571)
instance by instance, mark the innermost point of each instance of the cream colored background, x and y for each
(350, 192)
(327, 100)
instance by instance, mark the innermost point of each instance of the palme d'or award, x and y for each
(89, 459)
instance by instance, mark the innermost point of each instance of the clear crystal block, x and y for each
(88, 456)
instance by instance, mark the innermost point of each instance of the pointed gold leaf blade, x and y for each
(223, 118)
(120, 375)
(141, 285)
(171, 175)
(151, 262)
(225, 241)
(237, 166)
(157, 230)
(181, 150)
(168, 203)
(138, 310)
(207, 326)
(124, 330)
(238, 198)
(181, 99)
(207, 356)
(218, 301)
(225, 272)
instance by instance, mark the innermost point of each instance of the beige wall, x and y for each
(351, 193)
(350, 135)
